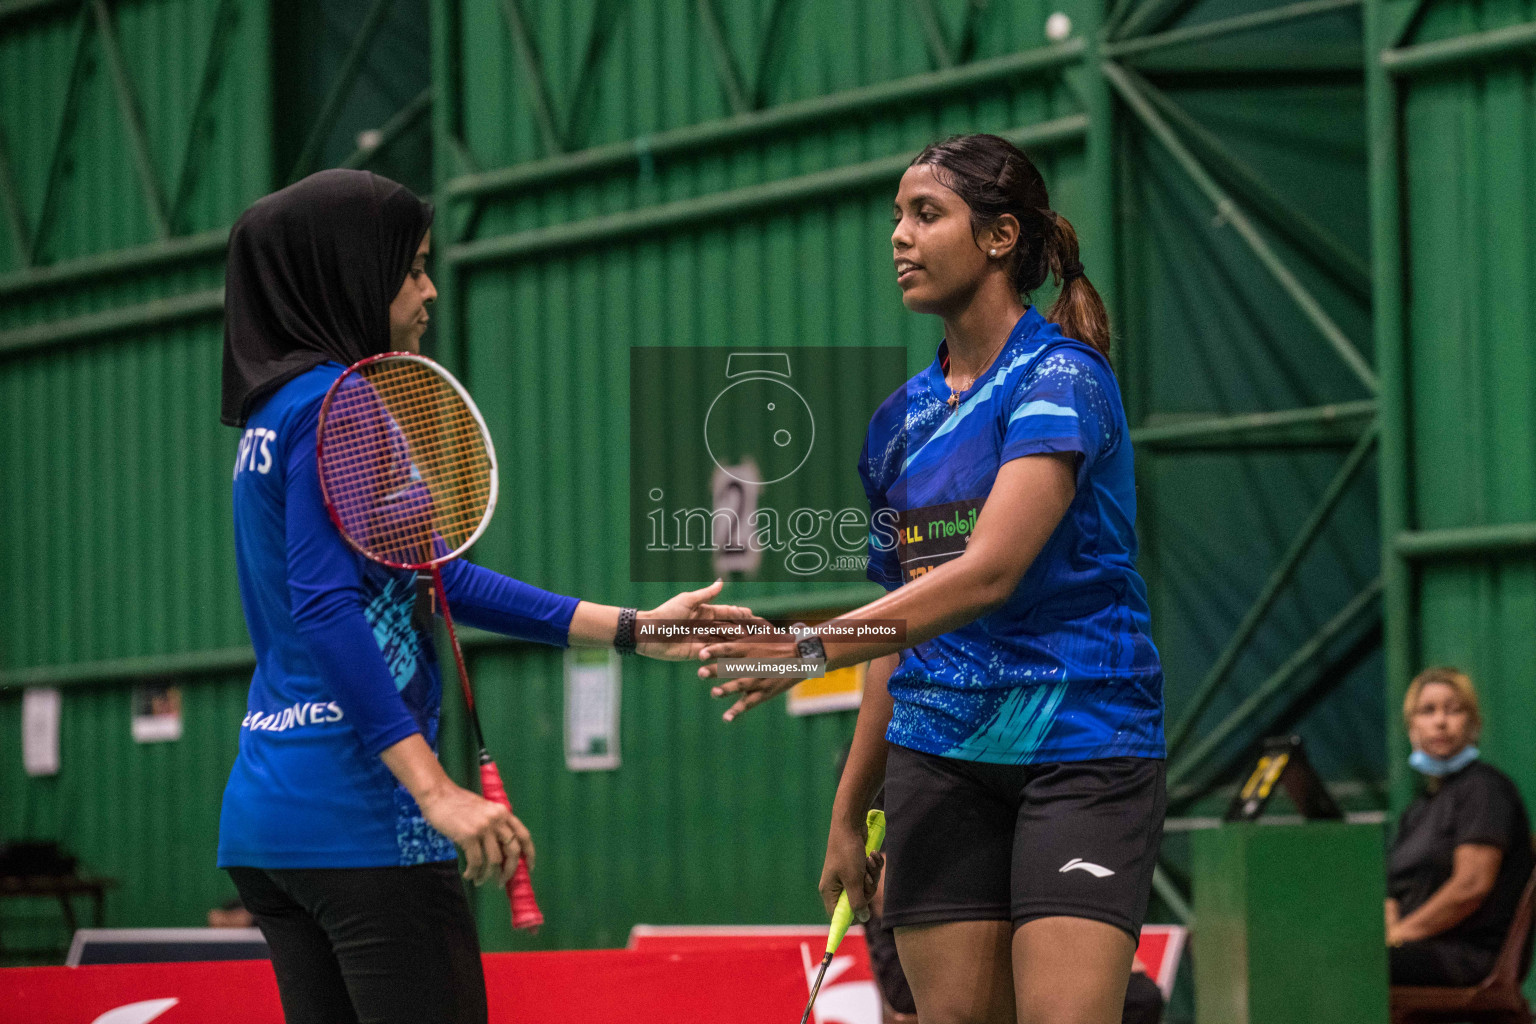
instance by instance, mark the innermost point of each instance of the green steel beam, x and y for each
(1149, 15)
(1466, 541)
(477, 203)
(1129, 87)
(22, 8)
(133, 121)
(1099, 226)
(735, 203)
(90, 326)
(1282, 678)
(113, 670)
(1279, 577)
(341, 88)
(1331, 255)
(1259, 61)
(854, 103)
(769, 52)
(532, 67)
(61, 139)
(1409, 24)
(448, 148)
(198, 126)
(966, 48)
(1205, 427)
(1329, 674)
(1391, 337)
(725, 63)
(1460, 51)
(153, 256)
(604, 23)
(463, 157)
(1313, 437)
(1114, 19)
(15, 216)
(1175, 900)
(401, 122)
(1228, 26)
(933, 34)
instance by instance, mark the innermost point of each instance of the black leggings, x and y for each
(369, 945)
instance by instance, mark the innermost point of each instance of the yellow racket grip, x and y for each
(842, 917)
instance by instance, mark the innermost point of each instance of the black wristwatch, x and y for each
(624, 636)
(811, 647)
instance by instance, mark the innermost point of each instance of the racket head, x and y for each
(407, 468)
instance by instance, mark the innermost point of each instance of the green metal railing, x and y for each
(736, 202)
(1511, 41)
(1466, 542)
(632, 154)
(144, 316)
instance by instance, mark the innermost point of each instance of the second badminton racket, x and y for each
(842, 916)
(409, 478)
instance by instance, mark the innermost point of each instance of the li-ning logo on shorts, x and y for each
(1078, 864)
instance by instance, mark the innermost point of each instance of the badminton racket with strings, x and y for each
(408, 473)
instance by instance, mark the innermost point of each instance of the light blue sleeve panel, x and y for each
(1064, 404)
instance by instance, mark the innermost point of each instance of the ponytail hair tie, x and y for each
(1071, 271)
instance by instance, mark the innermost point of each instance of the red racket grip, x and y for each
(525, 909)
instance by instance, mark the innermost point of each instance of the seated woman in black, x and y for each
(1462, 854)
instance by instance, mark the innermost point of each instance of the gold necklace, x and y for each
(954, 393)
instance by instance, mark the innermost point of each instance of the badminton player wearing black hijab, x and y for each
(339, 825)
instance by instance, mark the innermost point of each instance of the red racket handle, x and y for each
(525, 909)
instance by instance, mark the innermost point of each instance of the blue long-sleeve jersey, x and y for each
(341, 671)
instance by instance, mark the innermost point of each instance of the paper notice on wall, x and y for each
(591, 709)
(156, 713)
(40, 730)
(841, 689)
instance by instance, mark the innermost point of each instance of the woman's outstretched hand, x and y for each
(692, 606)
(754, 690)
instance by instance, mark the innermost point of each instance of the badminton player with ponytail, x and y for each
(1018, 727)
(339, 825)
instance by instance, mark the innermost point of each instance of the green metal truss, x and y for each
(165, 201)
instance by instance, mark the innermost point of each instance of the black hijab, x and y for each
(309, 277)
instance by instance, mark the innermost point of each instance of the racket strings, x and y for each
(405, 463)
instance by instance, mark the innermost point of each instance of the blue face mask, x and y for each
(1426, 764)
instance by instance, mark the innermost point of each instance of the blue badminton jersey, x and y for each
(341, 670)
(1065, 669)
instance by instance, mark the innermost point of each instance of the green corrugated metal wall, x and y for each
(1460, 139)
(616, 174)
(114, 467)
(1470, 175)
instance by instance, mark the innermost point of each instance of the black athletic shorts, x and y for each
(392, 945)
(968, 841)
